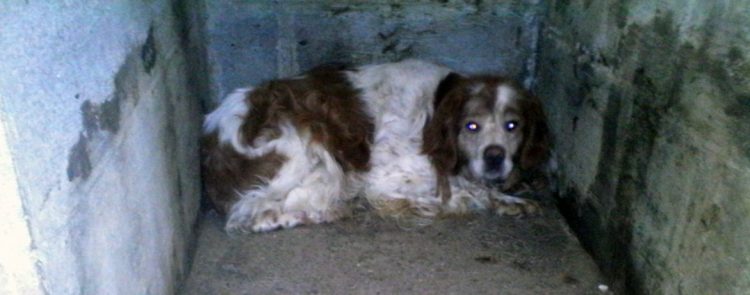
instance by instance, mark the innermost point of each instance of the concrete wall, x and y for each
(99, 116)
(650, 104)
(98, 155)
(253, 41)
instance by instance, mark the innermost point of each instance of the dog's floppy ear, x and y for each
(535, 149)
(440, 139)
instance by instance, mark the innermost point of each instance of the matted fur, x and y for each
(296, 151)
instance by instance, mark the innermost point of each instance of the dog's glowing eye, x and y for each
(472, 126)
(511, 125)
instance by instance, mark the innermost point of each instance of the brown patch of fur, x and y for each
(535, 148)
(225, 172)
(322, 102)
(440, 135)
(440, 141)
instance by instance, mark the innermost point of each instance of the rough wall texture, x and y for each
(650, 103)
(101, 129)
(253, 41)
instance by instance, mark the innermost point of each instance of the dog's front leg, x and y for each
(504, 204)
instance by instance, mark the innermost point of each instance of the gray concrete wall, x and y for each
(99, 116)
(650, 105)
(253, 41)
(101, 150)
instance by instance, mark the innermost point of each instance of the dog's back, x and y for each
(297, 150)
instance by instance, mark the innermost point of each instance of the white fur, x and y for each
(309, 186)
(312, 187)
(399, 97)
(505, 94)
(228, 118)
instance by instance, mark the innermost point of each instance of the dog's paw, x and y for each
(272, 220)
(514, 206)
(266, 221)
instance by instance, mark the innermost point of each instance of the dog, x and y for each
(412, 138)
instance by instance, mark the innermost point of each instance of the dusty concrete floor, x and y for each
(368, 255)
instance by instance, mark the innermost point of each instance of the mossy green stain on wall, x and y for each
(665, 204)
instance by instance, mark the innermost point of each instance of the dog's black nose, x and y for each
(494, 156)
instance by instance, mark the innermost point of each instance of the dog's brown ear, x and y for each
(440, 139)
(535, 149)
(445, 86)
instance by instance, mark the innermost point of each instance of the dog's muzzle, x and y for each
(493, 157)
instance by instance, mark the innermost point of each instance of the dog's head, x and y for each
(485, 127)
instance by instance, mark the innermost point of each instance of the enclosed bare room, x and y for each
(375, 147)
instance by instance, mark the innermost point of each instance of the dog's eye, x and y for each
(473, 126)
(511, 125)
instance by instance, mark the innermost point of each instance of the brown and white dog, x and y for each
(410, 137)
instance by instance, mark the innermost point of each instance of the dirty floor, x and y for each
(368, 255)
